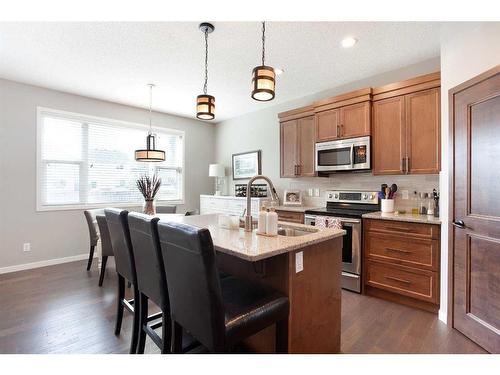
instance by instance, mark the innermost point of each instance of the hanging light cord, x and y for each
(150, 107)
(263, 42)
(205, 85)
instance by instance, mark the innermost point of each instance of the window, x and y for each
(85, 161)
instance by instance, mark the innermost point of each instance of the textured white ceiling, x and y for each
(115, 61)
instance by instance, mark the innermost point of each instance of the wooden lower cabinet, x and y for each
(290, 216)
(401, 262)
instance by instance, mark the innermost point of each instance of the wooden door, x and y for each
(475, 209)
(355, 120)
(389, 143)
(423, 147)
(306, 143)
(327, 125)
(289, 149)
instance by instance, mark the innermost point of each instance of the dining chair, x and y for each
(219, 313)
(106, 248)
(117, 221)
(166, 209)
(90, 216)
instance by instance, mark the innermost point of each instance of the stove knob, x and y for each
(336, 196)
(330, 196)
(372, 197)
(365, 196)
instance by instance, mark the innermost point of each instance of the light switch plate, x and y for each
(299, 261)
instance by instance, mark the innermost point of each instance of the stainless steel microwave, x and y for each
(343, 155)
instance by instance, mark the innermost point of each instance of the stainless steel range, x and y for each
(348, 206)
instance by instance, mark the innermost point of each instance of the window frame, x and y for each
(40, 170)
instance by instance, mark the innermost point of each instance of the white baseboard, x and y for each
(43, 263)
(443, 316)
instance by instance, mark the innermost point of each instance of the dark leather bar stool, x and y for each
(106, 248)
(218, 313)
(152, 284)
(117, 221)
(151, 281)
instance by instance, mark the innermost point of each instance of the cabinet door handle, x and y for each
(338, 131)
(398, 250)
(407, 165)
(403, 165)
(397, 279)
(342, 130)
(298, 169)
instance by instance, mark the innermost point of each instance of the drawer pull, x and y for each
(399, 280)
(398, 250)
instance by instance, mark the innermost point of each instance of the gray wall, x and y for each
(59, 234)
(260, 131)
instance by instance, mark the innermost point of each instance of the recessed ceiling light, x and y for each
(349, 42)
(278, 71)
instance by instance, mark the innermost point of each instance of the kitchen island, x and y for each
(304, 264)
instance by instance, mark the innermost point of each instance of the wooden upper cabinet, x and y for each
(297, 141)
(355, 120)
(343, 116)
(307, 140)
(327, 125)
(406, 126)
(289, 135)
(423, 131)
(389, 143)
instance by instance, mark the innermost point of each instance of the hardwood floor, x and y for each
(60, 309)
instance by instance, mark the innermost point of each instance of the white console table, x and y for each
(221, 204)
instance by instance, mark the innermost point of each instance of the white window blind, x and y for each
(89, 162)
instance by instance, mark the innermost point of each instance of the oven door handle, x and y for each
(352, 155)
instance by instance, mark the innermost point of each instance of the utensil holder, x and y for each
(387, 205)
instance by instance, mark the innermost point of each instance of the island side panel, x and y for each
(314, 293)
(315, 299)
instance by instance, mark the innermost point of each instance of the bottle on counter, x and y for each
(272, 222)
(430, 205)
(262, 220)
(423, 204)
(414, 204)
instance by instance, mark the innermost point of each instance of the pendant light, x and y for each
(264, 77)
(150, 153)
(205, 104)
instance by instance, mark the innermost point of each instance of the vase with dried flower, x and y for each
(149, 187)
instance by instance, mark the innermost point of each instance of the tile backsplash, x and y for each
(361, 181)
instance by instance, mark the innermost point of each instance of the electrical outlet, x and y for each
(316, 192)
(404, 194)
(299, 261)
(310, 192)
(26, 246)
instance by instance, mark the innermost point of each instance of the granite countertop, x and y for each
(249, 245)
(410, 218)
(295, 208)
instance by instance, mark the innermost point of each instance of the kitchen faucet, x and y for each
(274, 197)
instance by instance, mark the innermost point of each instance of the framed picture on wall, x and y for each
(292, 198)
(246, 165)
